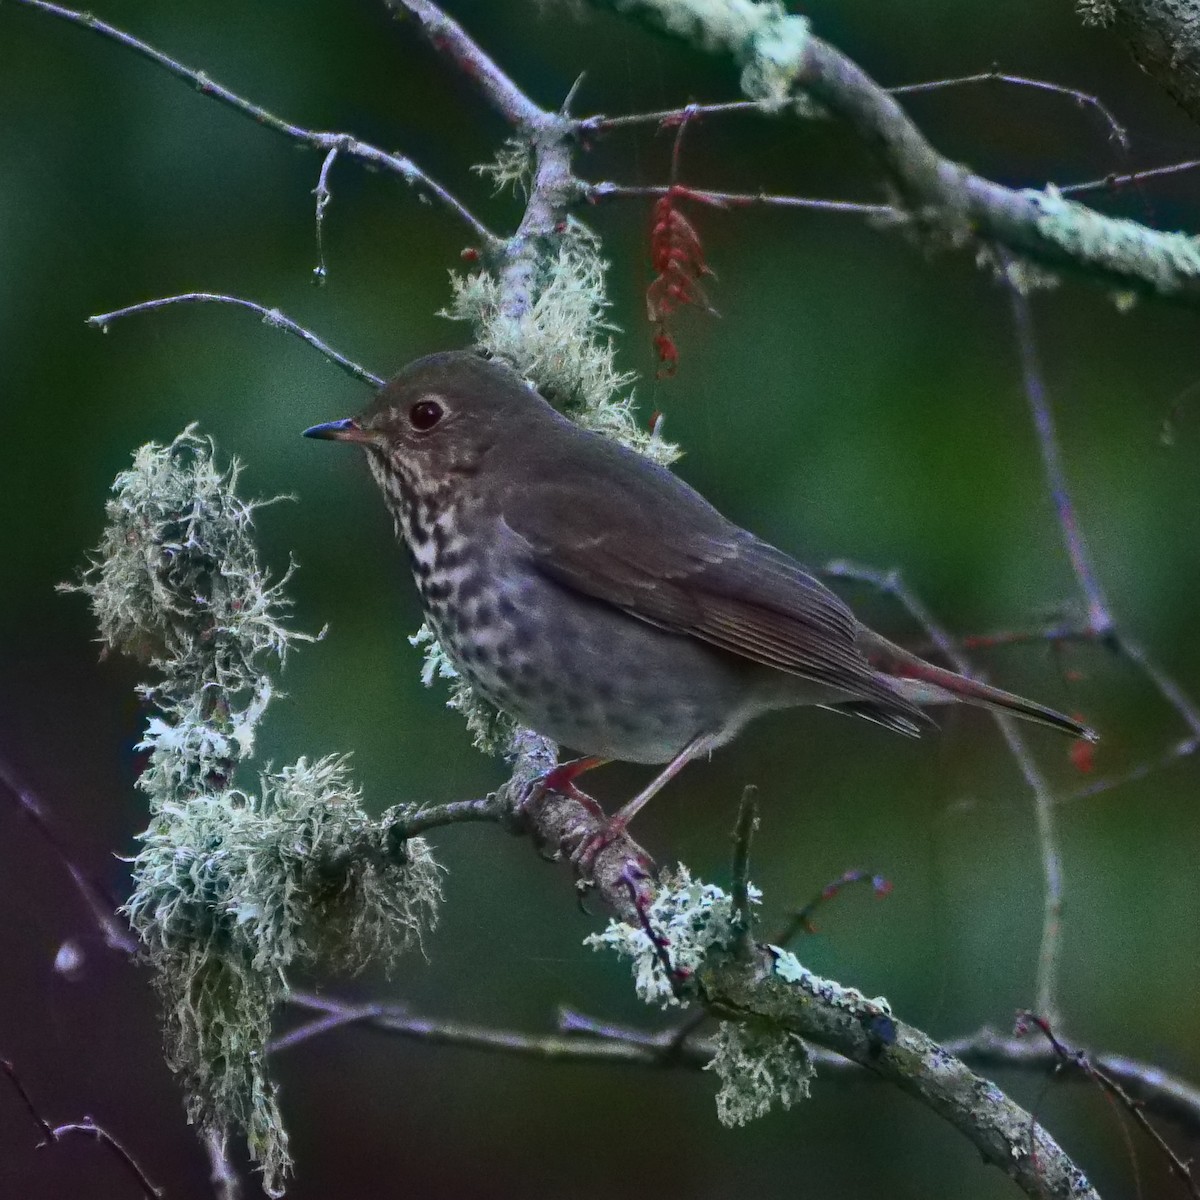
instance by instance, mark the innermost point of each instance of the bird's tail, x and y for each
(923, 683)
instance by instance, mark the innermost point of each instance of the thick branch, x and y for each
(943, 198)
(820, 1011)
(1164, 38)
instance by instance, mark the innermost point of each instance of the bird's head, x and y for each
(432, 423)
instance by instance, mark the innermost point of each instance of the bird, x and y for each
(601, 601)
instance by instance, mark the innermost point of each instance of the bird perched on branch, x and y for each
(599, 600)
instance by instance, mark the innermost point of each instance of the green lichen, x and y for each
(234, 886)
(512, 166)
(1096, 12)
(561, 342)
(758, 1066)
(1164, 262)
(490, 729)
(762, 36)
(690, 918)
(790, 969)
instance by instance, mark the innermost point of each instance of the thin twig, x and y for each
(554, 1048)
(319, 140)
(85, 1128)
(591, 1040)
(891, 583)
(1099, 619)
(1113, 183)
(101, 907)
(490, 808)
(1181, 749)
(1116, 131)
(227, 1184)
(667, 116)
(952, 204)
(323, 196)
(597, 192)
(801, 919)
(333, 1019)
(270, 316)
(448, 37)
(1108, 1083)
(743, 834)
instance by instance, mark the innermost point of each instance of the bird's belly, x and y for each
(590, 676)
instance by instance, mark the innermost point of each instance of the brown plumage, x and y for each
(600, 600)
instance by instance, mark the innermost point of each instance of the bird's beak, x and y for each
(347, 430)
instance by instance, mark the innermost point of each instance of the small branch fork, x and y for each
(932, 189)
(87, 1128)
(1108, 1084)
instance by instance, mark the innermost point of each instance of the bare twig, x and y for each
(1110, 1085)
(323, 196)
(334, 1018)
(607, 1042)
(101, 907)
(1099, 619)
(668, 116)
(617, 191)
(324, 142)
(891, 583)
(490, 808)
(227, 1184)
(801, 919)
(554, 188)
(1113, 183)
(743, 835)
(270, 316)
(86, 1128)
(1116, 131)
(448, 37)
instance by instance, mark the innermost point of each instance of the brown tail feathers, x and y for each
(922, 683)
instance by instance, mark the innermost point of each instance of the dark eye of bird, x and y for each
(425, 414)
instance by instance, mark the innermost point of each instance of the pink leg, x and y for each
(694, 749)
(615, 826)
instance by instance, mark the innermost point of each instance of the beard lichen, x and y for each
(234, 886)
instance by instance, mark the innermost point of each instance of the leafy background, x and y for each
(856, 397)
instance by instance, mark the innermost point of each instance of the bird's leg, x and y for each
(561, 779)
(616, 825)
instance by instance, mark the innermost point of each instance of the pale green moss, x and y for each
(561, 342)
(790, 969)
(1163, 261)
(758, 1066)
(234, 886)
(690, 918)
(762, 36)
(1096, 12)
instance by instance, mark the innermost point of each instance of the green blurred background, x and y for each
(857, 397)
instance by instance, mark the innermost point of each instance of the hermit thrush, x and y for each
(602, 602)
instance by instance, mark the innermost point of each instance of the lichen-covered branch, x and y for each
(781, 59)
(1164, 38)
(769, 991)
(237, 881)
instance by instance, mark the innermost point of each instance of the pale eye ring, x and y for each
(424, 415)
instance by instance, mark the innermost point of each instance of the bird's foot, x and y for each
(561, 781)
(583, 857)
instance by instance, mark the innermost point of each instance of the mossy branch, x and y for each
(783, 60)
(234, 885)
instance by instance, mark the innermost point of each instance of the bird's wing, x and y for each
(653, 547)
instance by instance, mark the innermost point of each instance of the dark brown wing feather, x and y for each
(636, 536)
